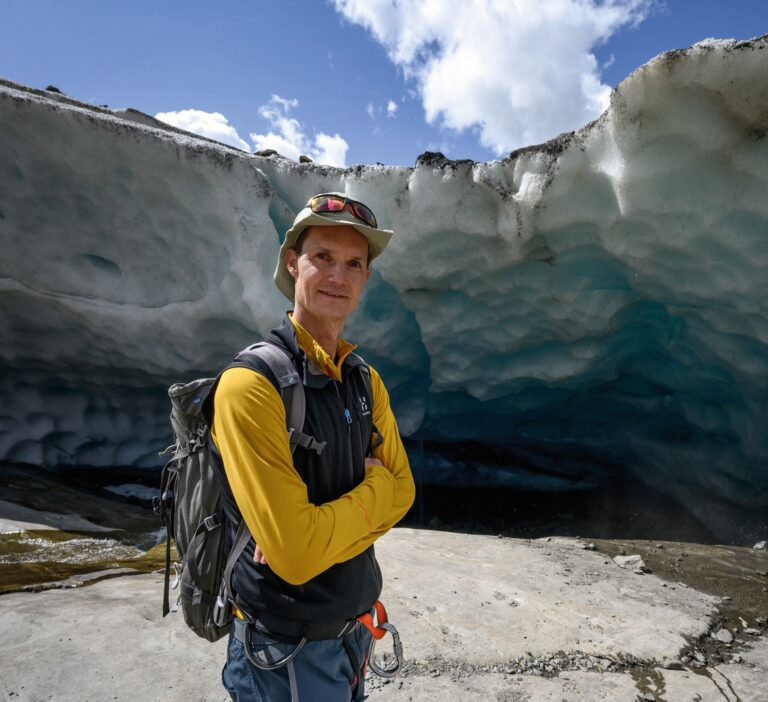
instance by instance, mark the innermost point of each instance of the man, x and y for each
(310, 568)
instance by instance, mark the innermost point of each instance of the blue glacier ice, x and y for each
(586, 308)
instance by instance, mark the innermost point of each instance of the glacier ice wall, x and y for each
(592, 306)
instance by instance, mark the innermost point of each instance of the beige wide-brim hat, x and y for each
(377, 239)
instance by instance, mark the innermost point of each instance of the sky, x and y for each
(350, 82)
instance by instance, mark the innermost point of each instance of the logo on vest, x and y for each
(364, 406)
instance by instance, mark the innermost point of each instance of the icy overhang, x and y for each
(592, 305)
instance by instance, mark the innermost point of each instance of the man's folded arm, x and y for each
(299, 540)
(392, 453)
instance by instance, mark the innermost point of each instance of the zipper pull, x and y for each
(348, 415)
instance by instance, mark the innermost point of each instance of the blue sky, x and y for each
(358, 81)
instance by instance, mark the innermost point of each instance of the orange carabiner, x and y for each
(377, 629)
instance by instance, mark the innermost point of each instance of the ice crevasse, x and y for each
(590, 306)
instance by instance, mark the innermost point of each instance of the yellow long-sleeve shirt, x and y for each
(299, 539)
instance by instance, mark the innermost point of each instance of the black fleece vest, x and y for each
(346, 589)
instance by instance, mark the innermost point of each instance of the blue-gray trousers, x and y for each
(321, 672)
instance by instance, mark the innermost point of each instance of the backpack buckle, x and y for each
(299, 438)
(222, 612)
(211, 522)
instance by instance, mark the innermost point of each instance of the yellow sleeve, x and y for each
(299, 540)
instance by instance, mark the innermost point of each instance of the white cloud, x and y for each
(287, 136)
(521, 71)
(376, 111)
(331, 150)
(213, 125)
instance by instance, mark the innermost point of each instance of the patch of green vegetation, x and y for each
(736, 573)
(24, 557)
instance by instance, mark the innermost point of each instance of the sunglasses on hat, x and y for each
(337, 203)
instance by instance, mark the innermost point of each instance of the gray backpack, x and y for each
(190, 502)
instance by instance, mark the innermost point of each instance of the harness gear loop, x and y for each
(264, 664)
(378, 631)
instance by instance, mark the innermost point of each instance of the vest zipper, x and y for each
(347, 413)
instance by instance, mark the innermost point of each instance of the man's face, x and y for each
(330, 272)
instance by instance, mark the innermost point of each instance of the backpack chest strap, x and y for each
(299, 438)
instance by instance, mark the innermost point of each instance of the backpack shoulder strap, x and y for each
(365, 372)
(290, 387)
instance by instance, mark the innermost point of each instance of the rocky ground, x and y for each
(482, 617)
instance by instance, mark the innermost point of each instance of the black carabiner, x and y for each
(397, 646)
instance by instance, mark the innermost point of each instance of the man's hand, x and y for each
(370, 462)
(258, 556)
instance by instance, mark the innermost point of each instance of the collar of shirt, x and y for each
(317, 354)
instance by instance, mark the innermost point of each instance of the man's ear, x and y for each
(291, 260)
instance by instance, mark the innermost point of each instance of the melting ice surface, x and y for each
(587, 308)
(140, 492)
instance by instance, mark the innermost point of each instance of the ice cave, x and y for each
(585, 308)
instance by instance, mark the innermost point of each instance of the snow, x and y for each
(598, 303)
(141, 492)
